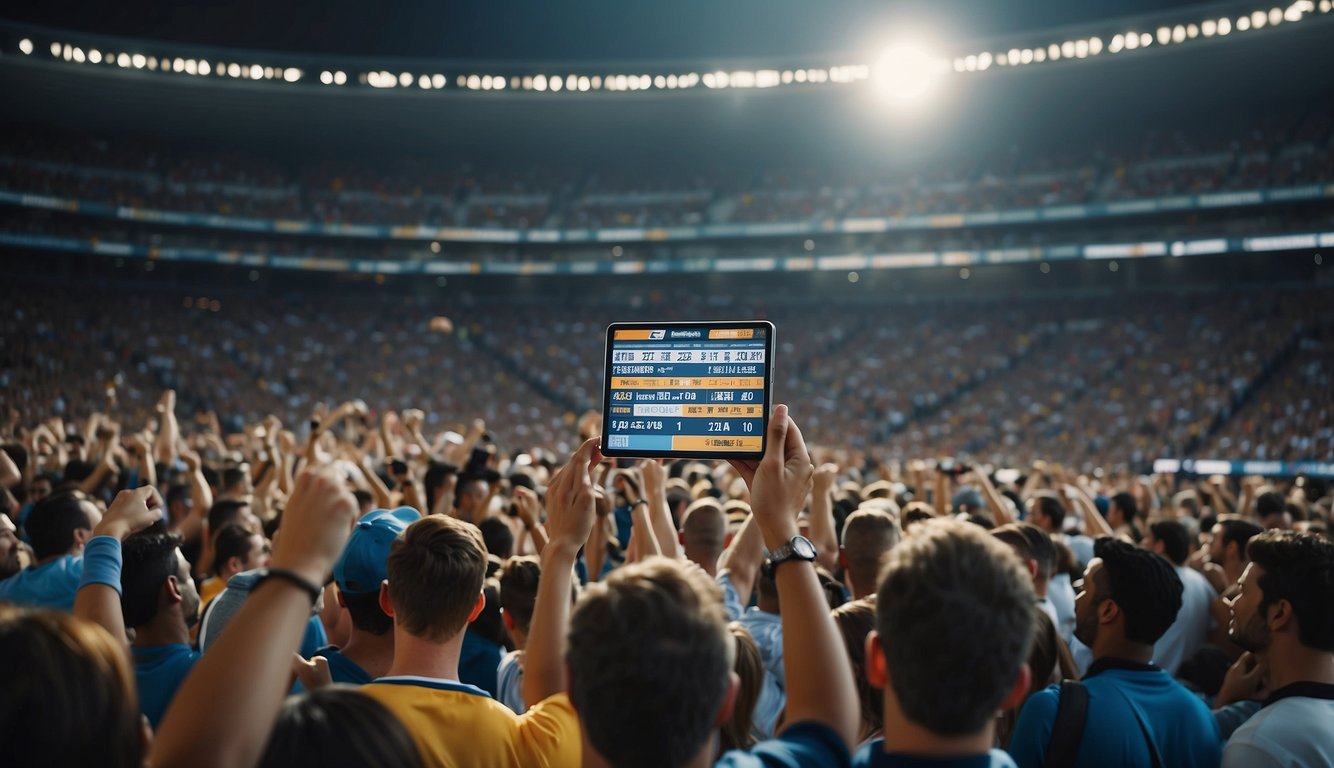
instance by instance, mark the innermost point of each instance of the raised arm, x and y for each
(999, 511)
(823, 535)
(529, 508)
(570, 518)
(98, 598)
(1095, 524)
(742, 559)
(169, 430)
(819, 676)
(224, 711)
(660, 516)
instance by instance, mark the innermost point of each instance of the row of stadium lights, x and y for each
(199, 67)
(1129, 41)
(764, 78)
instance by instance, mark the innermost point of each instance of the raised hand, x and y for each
(316, 523)
(571, 499)
(130, 512)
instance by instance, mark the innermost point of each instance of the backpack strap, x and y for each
(1068, 730)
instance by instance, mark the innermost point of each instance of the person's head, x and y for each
(1273, 511)
(868, 534)
(519, 578)
(435, 573)
(236, 511)
(737, 732)
(470, 495)
(498, 537)
(70, 696)
(1170, 539)
(1129, 594)
(704, 533)
(856, 620)
(363, 567)
(180, 503)
(365, 500)
(9, 548)
(1228, 544)
(1123, 510)
(61, 524)
(236, 481)
(656, 626)
(155, 579)
(1286, 591)
(237, 549)
(951, 598)
(40, 487)
(338, 727)
(1046, 511)
(1033, 545)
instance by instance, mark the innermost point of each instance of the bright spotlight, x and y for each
(907, 73)
(25, 45)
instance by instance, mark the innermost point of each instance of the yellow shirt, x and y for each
(454, 724)
(208, 590)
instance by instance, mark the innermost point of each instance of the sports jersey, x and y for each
(454, 724)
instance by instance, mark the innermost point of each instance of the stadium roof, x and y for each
(574, 30)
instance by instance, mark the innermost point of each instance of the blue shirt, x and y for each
(158, 671)
(314, 639)
(479, 660)
(341, 668)
(49, 585)
(873, 755)
(1122, 695)
(802, 745)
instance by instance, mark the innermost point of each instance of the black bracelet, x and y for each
(291, 577)
(637, 503)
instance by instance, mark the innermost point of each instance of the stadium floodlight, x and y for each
(984, 61)
(424, 82)
(1095, 46)
(1325, 6)
(95, 56)
(540, 83)
(291, 74)
(437, 80)
(340, 78)
(1179, 34)
(1258, 19)
(1145, 40)
(1164, 35)
(139, 60)
(1192, 31)
(203, 67)
(405, 79)
(78, 55)
(25, 46)
(55, 49)
(1276, 16)
(1244, 24)
(326, 77)
(1224, 25)
(907, 73)
(233, 70)
(256, 72)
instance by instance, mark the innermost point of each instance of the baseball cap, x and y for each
(364, 562)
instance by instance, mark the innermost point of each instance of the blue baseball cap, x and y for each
(364, 562)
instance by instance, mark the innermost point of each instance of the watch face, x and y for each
(803, 548)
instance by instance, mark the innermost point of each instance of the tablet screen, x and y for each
(697, 390)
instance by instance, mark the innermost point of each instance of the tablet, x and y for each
(697, 390)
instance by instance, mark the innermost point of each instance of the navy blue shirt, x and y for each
(479, 662)
(873, 755)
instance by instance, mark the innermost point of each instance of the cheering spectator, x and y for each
(57, 529)
(1281, 613)
(1135, 713)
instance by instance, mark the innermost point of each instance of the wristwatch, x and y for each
(798, 548)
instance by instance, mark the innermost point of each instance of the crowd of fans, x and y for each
(1101, 383)
(1278, 151)
(372, 588)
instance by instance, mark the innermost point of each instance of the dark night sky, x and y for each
(570, 30)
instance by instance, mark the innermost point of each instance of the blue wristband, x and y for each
(101, 563)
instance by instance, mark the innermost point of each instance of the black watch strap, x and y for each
(292, 577)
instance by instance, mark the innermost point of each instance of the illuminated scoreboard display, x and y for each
(695, 389)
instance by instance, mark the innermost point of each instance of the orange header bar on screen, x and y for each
(732, 333)
(632, 335)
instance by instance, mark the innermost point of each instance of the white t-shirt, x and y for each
(1293, 731)
(1191, 628)
(1062, 597)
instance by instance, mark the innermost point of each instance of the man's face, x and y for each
(1087, 601)
(1248, 628)
(1115, 517)
(258, 556)
(189, 595)
(1217, 549)
(9, 548)
(40, 489)
(247, 518)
